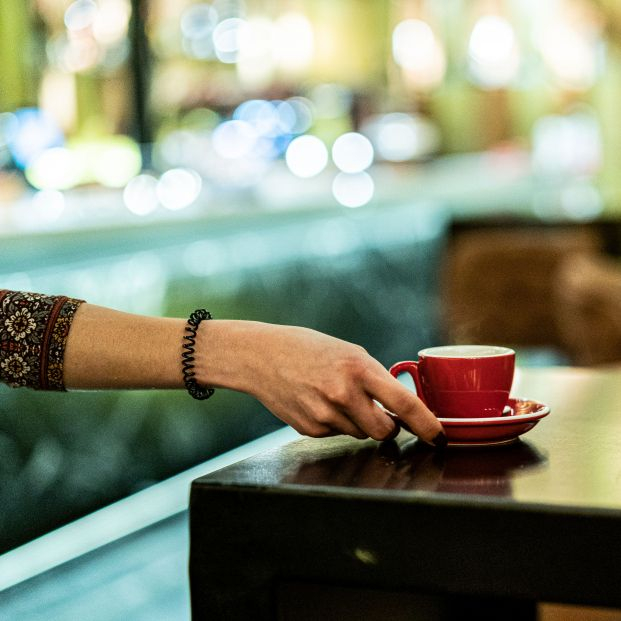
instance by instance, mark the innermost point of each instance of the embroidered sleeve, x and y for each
(33, 334)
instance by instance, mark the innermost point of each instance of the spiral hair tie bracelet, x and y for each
(187, 357)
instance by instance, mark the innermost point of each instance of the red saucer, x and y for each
(522, 415)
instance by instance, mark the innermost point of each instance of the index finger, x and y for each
(410, 410)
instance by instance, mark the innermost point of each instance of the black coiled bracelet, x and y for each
(187, 357)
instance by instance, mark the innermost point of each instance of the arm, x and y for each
(318, 384)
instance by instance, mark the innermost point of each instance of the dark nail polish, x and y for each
(395, 432)
(440, 441)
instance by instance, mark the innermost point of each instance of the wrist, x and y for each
(226, 354)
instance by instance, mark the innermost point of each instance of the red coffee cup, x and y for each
(462, 381)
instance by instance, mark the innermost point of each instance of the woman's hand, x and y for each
(318, 384)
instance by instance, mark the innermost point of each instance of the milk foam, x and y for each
(465, 351)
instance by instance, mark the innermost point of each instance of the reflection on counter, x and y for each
(412, 465)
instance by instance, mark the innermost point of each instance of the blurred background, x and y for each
(399, 173)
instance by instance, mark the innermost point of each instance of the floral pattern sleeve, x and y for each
(33, 334)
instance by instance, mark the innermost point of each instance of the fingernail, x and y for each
(440, 441)
(394, 433)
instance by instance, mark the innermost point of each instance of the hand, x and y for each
(318, 384)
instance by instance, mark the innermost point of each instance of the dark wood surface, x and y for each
(342, 520)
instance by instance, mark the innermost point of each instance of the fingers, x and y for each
(323, 420)
(413, 414)
(343, 424)
(372, 419)
(361, 419)
(360, 416)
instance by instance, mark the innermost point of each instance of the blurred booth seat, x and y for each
(587, 295)
(498, 285)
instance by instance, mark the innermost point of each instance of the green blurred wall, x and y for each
(18, 80)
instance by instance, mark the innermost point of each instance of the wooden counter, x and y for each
(340, 529)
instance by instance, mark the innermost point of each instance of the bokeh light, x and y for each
(353, 190)
(418, 51)
(80, 15)
(33, 132)
(493, 57)
(111, 21)
(255, 59)
(261, 115)
(227, 38)
(303, 110)
(573, 55)
(74, 54)
(234, 139)
(178, 188)
(57, 168)
(140, 195)
(293, 43)
(352, 152)
(117, 160)
(111, 162)
(287, 117)
(306, 156)
(198, 22)
(95, 36)
(567, 144)
(400, 137)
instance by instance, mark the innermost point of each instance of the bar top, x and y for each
(571, 459)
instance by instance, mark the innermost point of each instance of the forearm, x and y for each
(112, 349)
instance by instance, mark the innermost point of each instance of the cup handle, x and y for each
(411, 367)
